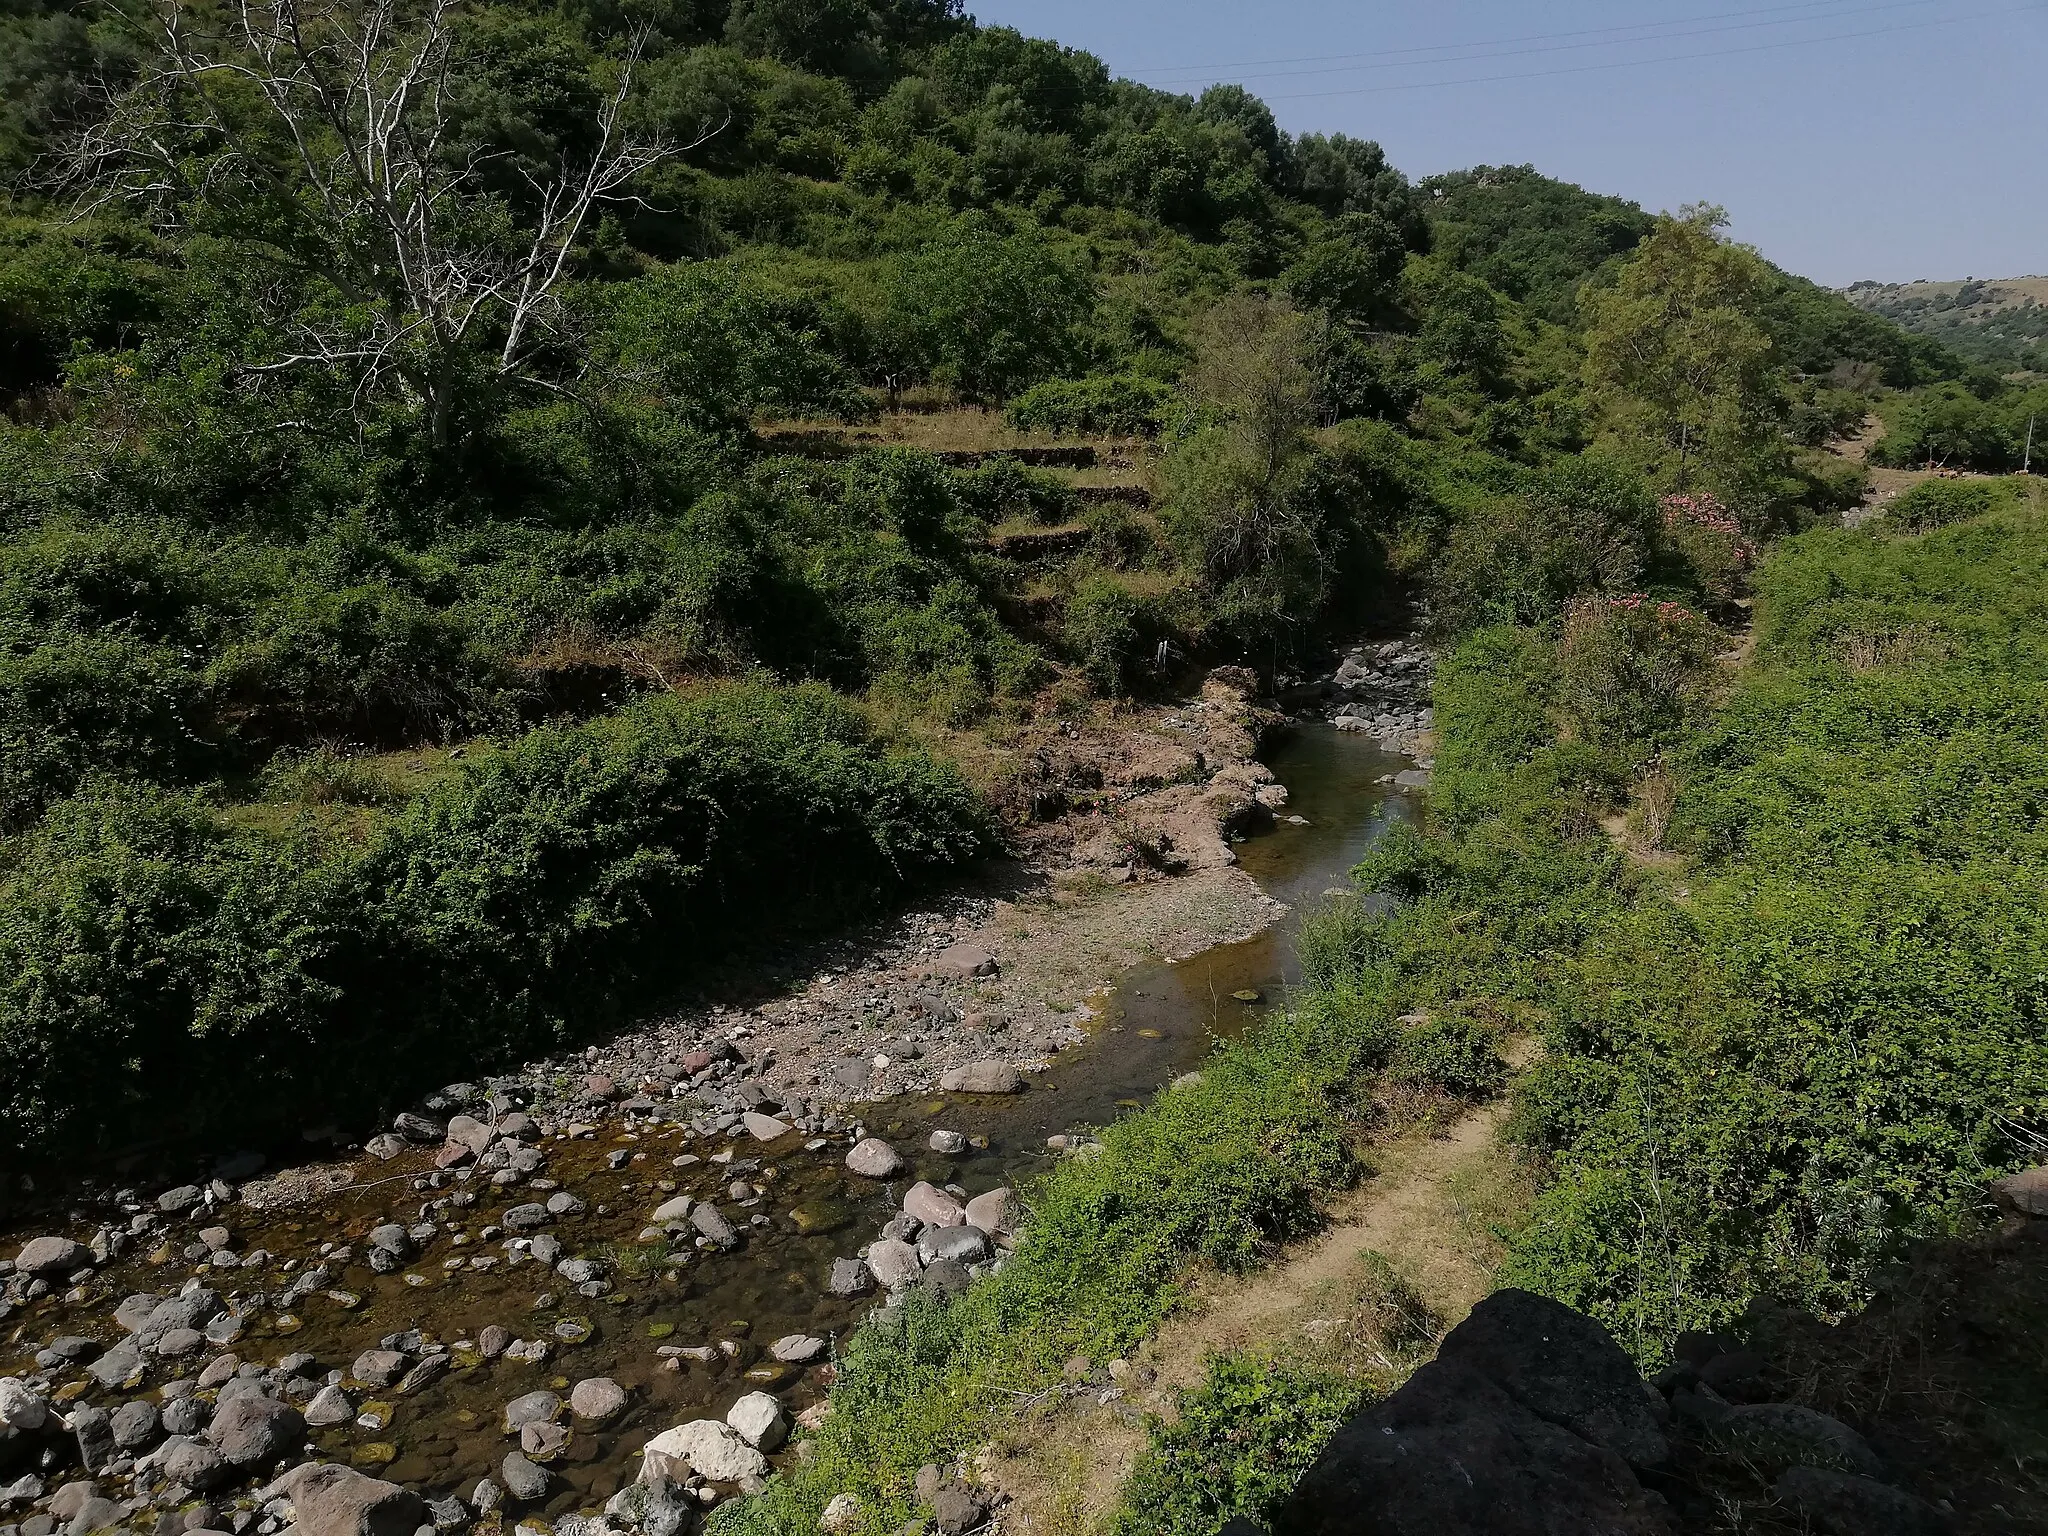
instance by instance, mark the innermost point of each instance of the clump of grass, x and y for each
(324, 776)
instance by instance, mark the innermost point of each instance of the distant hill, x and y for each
(2000, 322)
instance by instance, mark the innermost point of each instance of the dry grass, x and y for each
(1883, 650)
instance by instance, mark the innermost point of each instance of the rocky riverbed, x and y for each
(617, 1280)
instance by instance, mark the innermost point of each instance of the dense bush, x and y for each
(168, 971)
(1458, 1055)
(1936, 504)
(1121, 405)
(1632, 672)
(1239, 1443)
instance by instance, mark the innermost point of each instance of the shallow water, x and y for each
(1332, 778)
(1160, 1021)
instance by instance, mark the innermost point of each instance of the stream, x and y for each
(683, 1327)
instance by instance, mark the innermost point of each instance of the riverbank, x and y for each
(666, 1252)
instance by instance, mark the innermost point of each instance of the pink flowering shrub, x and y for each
(1706, 533)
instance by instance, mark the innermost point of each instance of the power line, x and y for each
(1752, 26)
(1497, 42)
(1676, 58)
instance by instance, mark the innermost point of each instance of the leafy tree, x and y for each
(1679, 368)
(1354, 273)
(988, 313)
(1534, 239)
(1341, 175)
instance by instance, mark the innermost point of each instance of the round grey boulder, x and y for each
(255, 1431)
(874, 1159)
(44, 1257)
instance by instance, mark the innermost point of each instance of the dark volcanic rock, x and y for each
(1562, 1366)
(1491, 1439)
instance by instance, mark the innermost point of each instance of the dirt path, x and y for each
(1406, 1255)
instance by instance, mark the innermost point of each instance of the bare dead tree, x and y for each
(440, 286)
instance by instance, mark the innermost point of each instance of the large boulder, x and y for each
(1777, 1436)
(933, 1206)
(875, 1159)
(1843, 1504)
(660, 1508)
(1563, 1367)
(1524, 1425)
(983, 1077)
(329, 1500)
(1452, 1454)
(760, 1420)
(51, 1256)
(708, 1448)
(255, 1431)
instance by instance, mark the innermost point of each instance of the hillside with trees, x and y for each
(1999, 324)
(503, 506)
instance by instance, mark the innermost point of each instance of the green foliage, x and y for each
(1104, 632)
(1458, 1055)
(1681, 369)
(1121, 404)
(1761, 1084)
(1582, 525)
(1938, 503)
(1630, 670)
(1534, 239)
(167, 970)
(988, 313)
(1950, 426)
(1239, 1443)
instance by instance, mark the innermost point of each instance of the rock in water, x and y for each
(933, 1206)
(760, 1420)
(47, 1257)
(523, 1480)
(659, 1508)
(20, 1408)
(708, 1221)
(597, 1399)
(983, 1077)
(256, 1431)
(708, 1448)
(330, 1500)
(850, 1277)
(874, 1159)
(199, 1467)
(996, 1212)
(894, 1263)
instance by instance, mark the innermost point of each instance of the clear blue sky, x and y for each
(1847, 138)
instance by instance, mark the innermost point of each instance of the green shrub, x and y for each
(1122, 404)
(166, 971)
(1631, 672)
(1238, 1445)
(1458, 1055)
(1581, 526)
(1938, 503)
(1102, 631)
